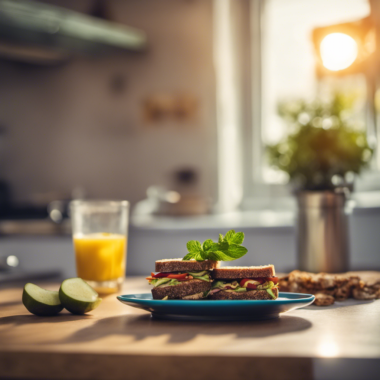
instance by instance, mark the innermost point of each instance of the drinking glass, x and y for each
(100, 242)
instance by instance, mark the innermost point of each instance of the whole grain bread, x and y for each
(249, 295)
(196, 296)
(228, 273)
(179, 265)
(183, 289)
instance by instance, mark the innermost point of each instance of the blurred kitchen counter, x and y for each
(117, 342)
(269, 236)
(34, 227)
(44, 246)
(264, 213)
(240, 219)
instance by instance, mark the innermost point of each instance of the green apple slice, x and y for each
(40, 301)
(78, 297)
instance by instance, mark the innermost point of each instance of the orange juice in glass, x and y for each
(100, 242)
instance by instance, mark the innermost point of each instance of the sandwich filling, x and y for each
(171, 279)
(246, 284)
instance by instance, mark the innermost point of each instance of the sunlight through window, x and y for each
(338, 51)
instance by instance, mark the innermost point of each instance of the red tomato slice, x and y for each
(178, 276)
(243, 281)
(273, 279)
(251, 286)
(159, 275)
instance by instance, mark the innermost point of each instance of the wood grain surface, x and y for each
(118, 342)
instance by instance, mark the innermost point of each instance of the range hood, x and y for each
(34, 31)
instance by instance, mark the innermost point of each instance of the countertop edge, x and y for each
(58, 365)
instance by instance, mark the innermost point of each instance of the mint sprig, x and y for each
(227, 248)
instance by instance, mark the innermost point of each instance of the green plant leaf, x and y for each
(200, 256)
(190, 256)
(221, 256)
(208, 245)
(229, 236)
(238, 238)
(224, 246)
(194, 246)
(235, 252)
(213, 256)
(228, 248)
(325, 144)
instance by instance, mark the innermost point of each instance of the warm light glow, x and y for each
(338, 51)
(173, 197)
(327, 348)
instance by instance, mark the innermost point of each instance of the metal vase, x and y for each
(322, 232)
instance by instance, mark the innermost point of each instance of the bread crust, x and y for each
(179, 265)
(184, 289)
(234, 273)
(249, 295)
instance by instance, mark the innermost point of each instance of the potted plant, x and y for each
(323, 150)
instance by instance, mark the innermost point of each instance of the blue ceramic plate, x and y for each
(216, 310)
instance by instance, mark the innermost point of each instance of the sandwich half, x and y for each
(182, 279)
(244, 283)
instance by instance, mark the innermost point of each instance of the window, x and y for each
(288, 58)
(268, 57)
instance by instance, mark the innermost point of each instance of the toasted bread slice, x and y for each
(235, 273)
(181, 290)
(179, 265)
(250, 295)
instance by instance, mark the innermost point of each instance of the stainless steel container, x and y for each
(322, 232)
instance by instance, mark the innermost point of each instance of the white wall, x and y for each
(65, 127)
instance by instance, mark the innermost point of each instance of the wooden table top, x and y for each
(115, 340)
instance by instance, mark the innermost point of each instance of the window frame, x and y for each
(246, 23)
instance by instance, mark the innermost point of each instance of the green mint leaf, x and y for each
(238, 238)
(235, 252)
(223, 246)
(219, 256)
(190, 256)
(228, 248)
(194, 246)
(229, 236)
(200, 256)
(213, 256)
(203, 255)
(215, 247)
(208, 245)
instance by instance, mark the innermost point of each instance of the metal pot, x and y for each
(322, 231)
